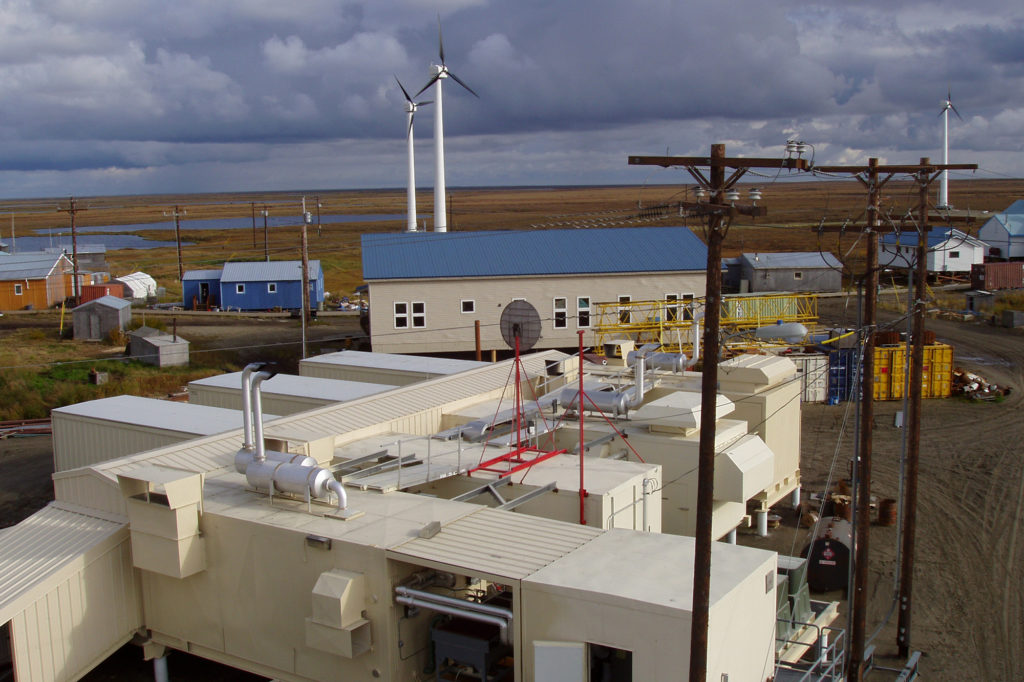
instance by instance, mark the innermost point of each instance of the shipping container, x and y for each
(842, 365)
(889, 372)
(813, 369)
(993, 276)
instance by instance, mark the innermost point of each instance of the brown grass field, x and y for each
(794, 210)
(969, 560)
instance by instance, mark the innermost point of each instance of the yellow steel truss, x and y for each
(669, 323)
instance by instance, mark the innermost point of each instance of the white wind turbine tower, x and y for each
(440, 72)
(943, 179)
(410, 110)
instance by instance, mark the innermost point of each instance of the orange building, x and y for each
(34, 280)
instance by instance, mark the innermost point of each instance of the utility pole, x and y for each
(318, 207)
(266, 233)
(177, 213)
(716, 184)
(871, 177)
(253, 224)
(926, 174)
(71, 210)
(306, 220)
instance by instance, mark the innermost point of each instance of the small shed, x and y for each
(154, 347)
(792, 271)
(93, 321)
(138, 286)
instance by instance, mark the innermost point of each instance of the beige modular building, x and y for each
(402, 532)
(97, 430)
(283, 394)
(381, 368)
(429, 290)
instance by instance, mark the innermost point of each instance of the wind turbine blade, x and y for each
(955, 111)
(408, 133)
(459, 81)
(407, 98)
(429, 83)
(423, 104)
(440, 40)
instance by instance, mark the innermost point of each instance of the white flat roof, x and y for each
(634, 568)
(334, 390)
(160, 414)
(393, 361)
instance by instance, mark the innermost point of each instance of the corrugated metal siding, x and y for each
(80, 442)
(45, 545)
(536, 252)
(497, 543)
(83, 604)
(814, 375)
(88, 488)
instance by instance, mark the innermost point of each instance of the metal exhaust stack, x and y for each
(296, 474)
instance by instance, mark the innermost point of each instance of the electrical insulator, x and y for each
(755, 194)
(732, 195)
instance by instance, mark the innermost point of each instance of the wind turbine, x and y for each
(943, 180)
(440, 72)
(410, 110)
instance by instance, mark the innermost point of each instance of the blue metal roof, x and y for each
(268, 271)
(792, 259)
(495, 253)
(1012, 219)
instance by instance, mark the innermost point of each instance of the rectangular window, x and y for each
(687, 306)
(583, 312)
(798, 275)
(671, 307)
(560, 313)
(18, 290)
(401, 315)
(624, 314)
(468, 306)
(954, 254)
(419, 314)
(271, 287)
(239, 288)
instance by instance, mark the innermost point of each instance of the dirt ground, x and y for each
(967, 603)
(967, 609)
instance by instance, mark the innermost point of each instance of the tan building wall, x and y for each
(446, 328)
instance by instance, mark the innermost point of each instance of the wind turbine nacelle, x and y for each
(439, 70)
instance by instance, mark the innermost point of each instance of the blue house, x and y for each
(200, 289)
(259, 285)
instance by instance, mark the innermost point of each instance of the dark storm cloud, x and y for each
(140, 95)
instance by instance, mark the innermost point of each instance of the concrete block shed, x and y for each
(154, 347)
(93, 321)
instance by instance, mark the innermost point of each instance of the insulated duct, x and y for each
(617, 403)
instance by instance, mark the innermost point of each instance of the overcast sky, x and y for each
(139, 96)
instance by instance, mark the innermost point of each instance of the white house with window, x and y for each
(428, 290)
(949, 250)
